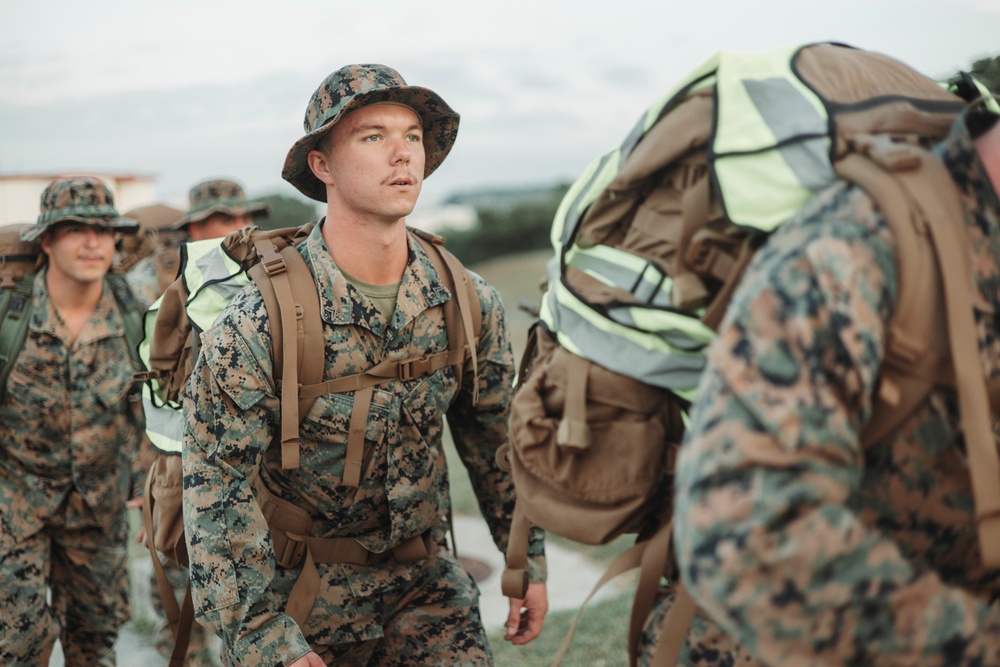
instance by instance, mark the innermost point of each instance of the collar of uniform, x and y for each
(958, 152)
(420, 289)
(104, 322)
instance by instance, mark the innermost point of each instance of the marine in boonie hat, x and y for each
(219, 195)
(78, 199)
(355, 86)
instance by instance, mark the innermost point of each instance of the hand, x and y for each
(310, 659)
(136, 504)
(526, 617)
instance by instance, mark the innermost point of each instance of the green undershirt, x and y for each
(383, 296)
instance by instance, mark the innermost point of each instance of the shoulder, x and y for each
(241, 330)
(839, 240)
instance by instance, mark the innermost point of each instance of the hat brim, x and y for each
(249, 208)
(440, 127)
(120, 225)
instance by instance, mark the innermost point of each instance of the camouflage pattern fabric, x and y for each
(706, 644)
(69, 434)
(232, 411)
(352, 87)
(143, 281)
(84, 199)
(219, 196)
(805, 546)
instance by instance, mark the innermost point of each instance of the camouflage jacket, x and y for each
(143, 278)
(231, 411)
(71, 420)
(806, 546)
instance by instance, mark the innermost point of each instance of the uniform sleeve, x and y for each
(766, 531)
(230, 412)
(480, 430)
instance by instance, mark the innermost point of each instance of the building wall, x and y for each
(20, 195)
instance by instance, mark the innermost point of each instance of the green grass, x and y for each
(600, 639)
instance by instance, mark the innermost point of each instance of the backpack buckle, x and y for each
(414, 368)
(291, 551)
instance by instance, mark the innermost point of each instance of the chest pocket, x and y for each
(111, 379)
(327, 431)
(428, 401)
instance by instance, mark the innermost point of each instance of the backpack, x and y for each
(19, 263)
(651, 242)
(190, 305)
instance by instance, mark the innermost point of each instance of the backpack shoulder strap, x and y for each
(921, 205)
(167, 260)
(463, 314)
(292, 304)
(15, 311)
(132, 314)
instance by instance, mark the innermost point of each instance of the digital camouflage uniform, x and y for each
(807, 547)
(390, 613)
(70, 427)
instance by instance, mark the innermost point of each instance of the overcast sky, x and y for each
(190, 89)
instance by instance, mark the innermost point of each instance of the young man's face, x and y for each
(216, 226)
(79, 252)
(376, 162)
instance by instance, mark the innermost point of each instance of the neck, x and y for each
(73, 300)
(372, 251)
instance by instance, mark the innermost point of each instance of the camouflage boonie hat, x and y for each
(79, 199)
(219, 195)
(355, 86)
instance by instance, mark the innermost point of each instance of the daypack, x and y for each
(19, 263)
(190, 305)
(650, 244)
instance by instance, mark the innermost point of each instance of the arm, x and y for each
(478, 432)
(768, 533)
(230, 409)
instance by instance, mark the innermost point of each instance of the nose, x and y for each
(403, 152)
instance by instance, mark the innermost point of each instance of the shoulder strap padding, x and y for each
(922, 207)
(15, 308)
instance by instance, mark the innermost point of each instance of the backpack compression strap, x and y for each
(922, 180)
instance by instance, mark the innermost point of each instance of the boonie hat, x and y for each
(78, 199)
(219, 195)
(355, 86)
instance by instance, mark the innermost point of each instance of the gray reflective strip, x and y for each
(674, 337)
(649, 286)
(212, 268)
(677, 372)
(164, 425)
(788, 115)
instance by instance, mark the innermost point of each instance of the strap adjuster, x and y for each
(292, 551)
(414, 368)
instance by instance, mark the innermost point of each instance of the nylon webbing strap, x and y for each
(356, 437)
(942, 212)
(573, 430)
(462, 286)
(274, 265)
(652, 566)
(383, 372)
(514, 581)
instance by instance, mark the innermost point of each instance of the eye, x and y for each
(415, 138)
(372, 138)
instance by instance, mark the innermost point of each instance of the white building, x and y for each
(20, 194)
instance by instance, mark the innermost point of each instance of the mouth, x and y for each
(402, 181)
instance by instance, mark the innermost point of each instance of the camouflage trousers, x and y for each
(84, 567)
(706, 646)
(434, 620)
(164, 639)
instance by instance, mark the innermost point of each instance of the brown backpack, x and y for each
(652, 241)
(270, 259)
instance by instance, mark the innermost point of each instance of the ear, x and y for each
(45, 242)
(320, 166)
